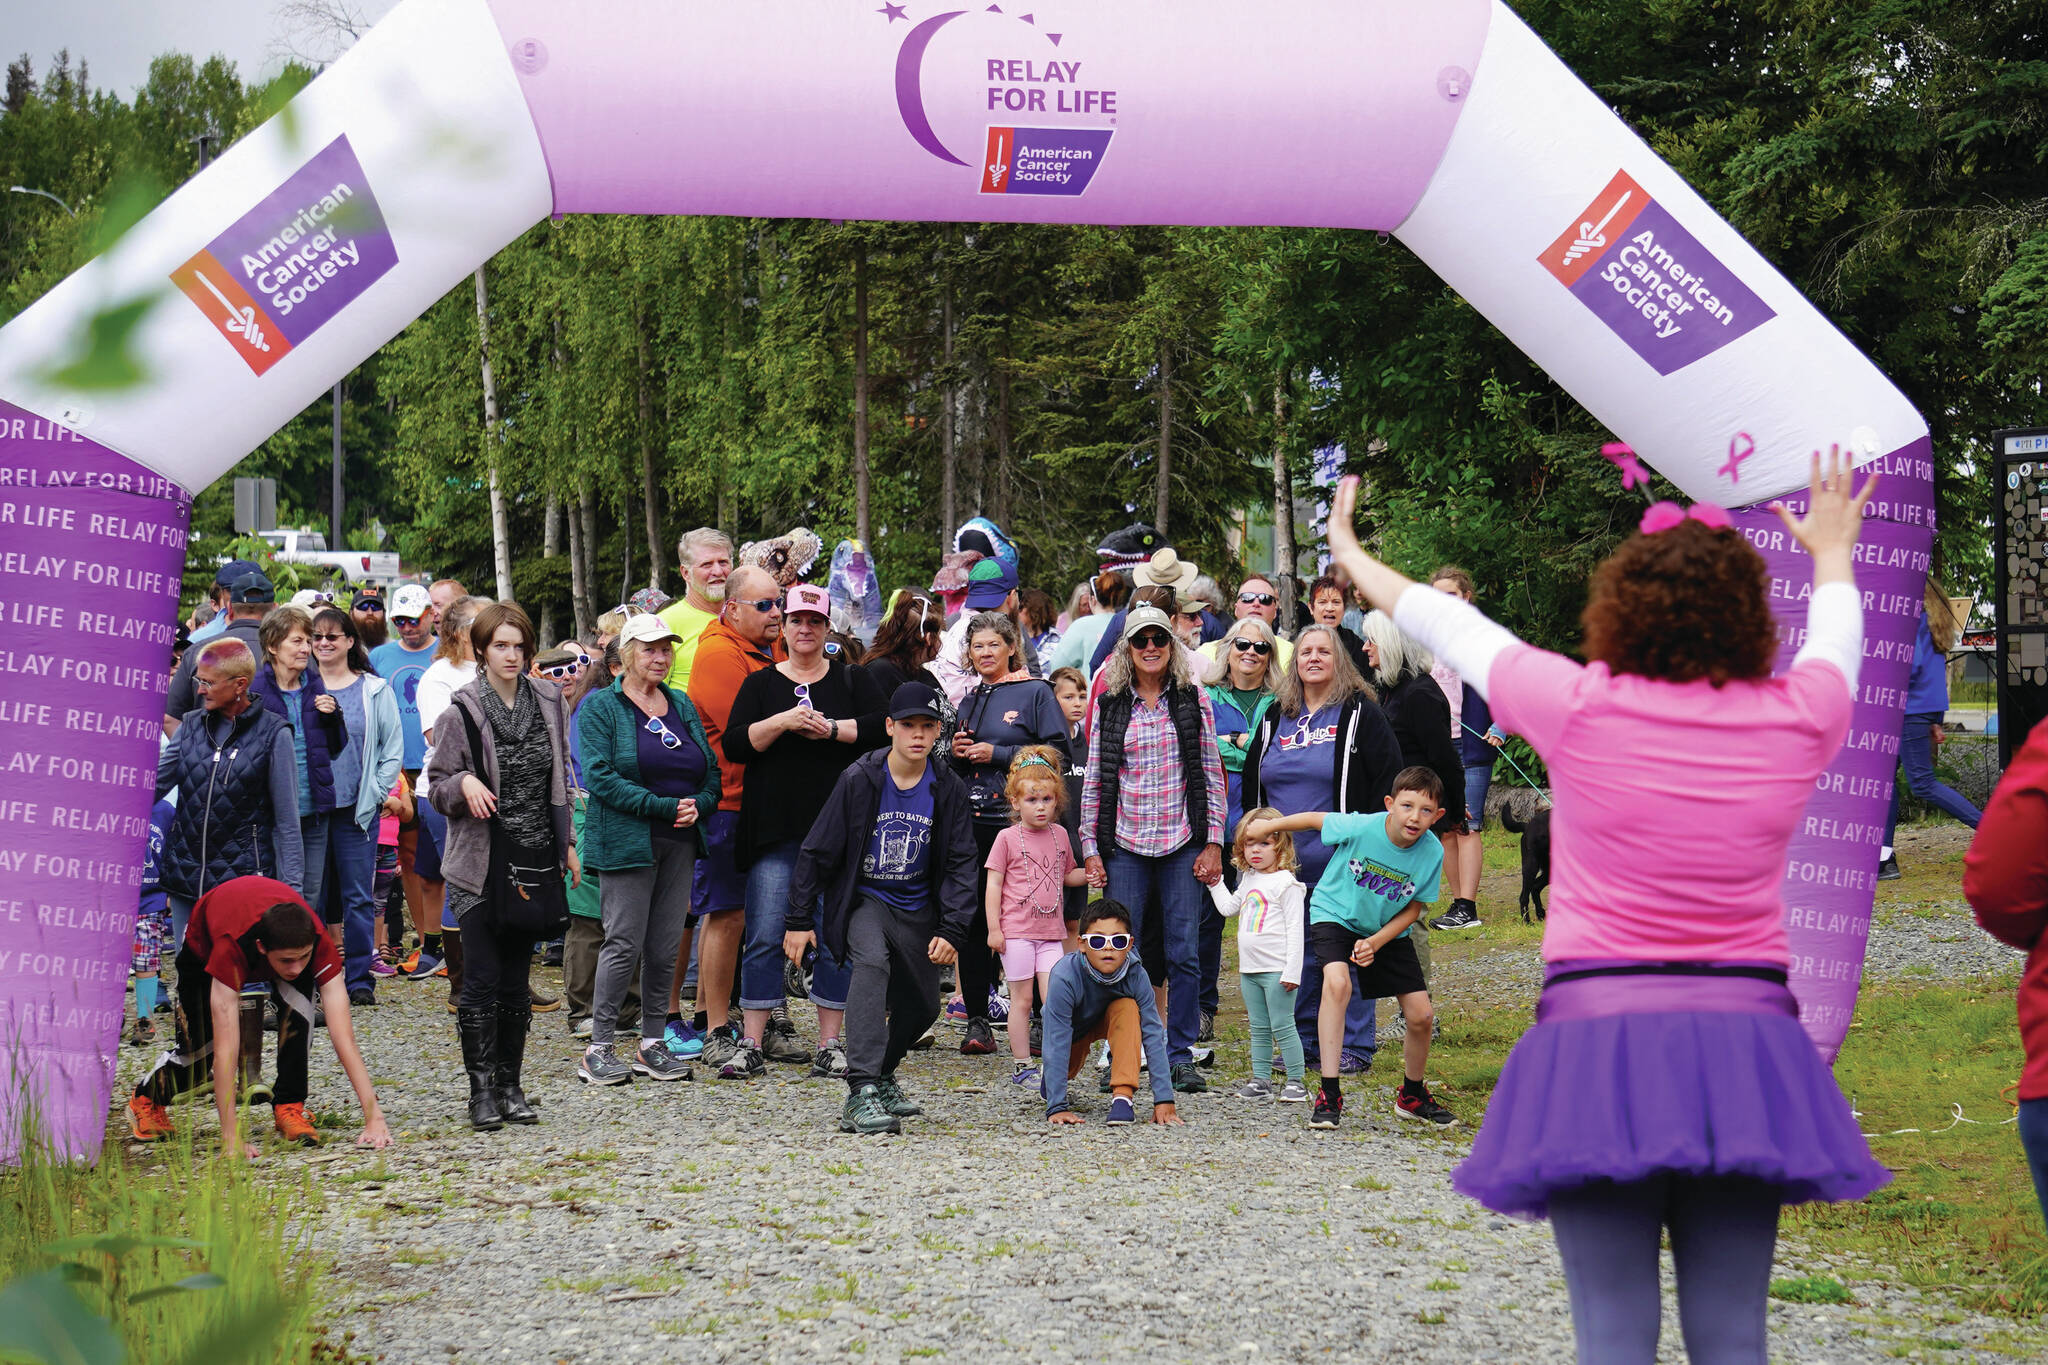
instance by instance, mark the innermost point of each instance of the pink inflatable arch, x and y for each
(456, 124)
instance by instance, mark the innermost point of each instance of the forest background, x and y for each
(891, 380)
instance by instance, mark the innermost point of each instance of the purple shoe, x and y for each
(379, 967)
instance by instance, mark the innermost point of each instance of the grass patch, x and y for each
(1442, 1286)
(1811, 1289)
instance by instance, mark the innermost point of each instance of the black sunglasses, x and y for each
(373, 608)
(1258, 599)
(1245, 645)
(1101, 941)
(1149, 639)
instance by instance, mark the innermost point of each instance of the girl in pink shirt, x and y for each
(1667, 1081)
(1030, 868)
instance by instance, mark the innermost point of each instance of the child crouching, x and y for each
(1102, 992)
(1269, 906)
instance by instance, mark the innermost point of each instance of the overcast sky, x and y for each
(117, 38)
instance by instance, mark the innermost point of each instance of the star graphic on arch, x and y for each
(894, 12)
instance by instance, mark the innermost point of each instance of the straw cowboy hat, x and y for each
(1166, 569)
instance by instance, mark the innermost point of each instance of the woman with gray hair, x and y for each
(1417, 709)
(1152, 807)
(1324, 745)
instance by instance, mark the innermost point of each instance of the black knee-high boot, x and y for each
(512, 1026)
(479, 1031)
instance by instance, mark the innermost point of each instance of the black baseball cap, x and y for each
(226, 575)
(253, 586)
(914, 700)
(366, 597)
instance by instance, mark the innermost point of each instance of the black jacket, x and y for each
(828, 866)
(1421, 716)
(1366, 758)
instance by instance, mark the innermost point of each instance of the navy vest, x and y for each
(222, 828)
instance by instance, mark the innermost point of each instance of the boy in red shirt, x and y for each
(254, 929)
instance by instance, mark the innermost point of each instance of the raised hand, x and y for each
(1834, 517)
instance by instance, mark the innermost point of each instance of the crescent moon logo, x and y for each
(910, 85)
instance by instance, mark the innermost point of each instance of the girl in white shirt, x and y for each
(1271, 906)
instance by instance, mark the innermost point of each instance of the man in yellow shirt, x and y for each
(706, 556)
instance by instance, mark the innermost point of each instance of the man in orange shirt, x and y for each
(741, 641)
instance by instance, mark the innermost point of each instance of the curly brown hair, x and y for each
(1687, 603)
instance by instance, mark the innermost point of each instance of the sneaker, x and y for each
(1188, 1079)
(380, 967)
(928, 1038)
(865, 1115)
(411, 962)
(1255, 1089)
(897, 1100)
(1294, 1092)
(682, 1039)
(293, 1125)
(1329, 1108)
(779, 1042)
(148, 1121)
(361, 997)
(141, 1033)
(980, 1041)
(956, 1010)
(1037, 1036)
(1354, 1063)
(745, 1063)
(424, 966)
(998, 1007)
(1423, 1107)
(1888, 870)
(1207, 1033)
(1121, 1114)
(719, 1046)
(582, 1027)
(657, 1063)
(1463, 914)
(1024, 1073)
(830, 1063)
(553, 956)
(601, 1066)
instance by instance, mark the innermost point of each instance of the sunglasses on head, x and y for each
(1099, 942)
(1246, 645)
(1258, 599)
(1149, 639)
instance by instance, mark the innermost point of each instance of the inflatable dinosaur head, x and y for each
(856, 596)
(787, 558)
(1130, 547)
(983, 536)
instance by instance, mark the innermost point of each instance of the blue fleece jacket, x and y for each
(1075, 1001)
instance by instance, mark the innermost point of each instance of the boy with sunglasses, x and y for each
(1101, 992)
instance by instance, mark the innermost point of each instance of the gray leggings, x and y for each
(644, 910)
(1723, 1232)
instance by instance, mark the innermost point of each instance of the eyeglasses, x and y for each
(327, 638)
(208, 684)
(1149, 639)
(1258, 599)
(1101, 941)
(1245, 645)
(669, 738)
(764, 605)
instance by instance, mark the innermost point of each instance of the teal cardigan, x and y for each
(616, 832)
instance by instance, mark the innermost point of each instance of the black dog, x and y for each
(1535, 832)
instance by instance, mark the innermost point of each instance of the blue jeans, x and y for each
(2034, 1138)
(1916, 755)
(761, 958)
(434, 825)
(1478, 782)
(313, 838)
(353, 852)
(1166, 885)
(181, 915)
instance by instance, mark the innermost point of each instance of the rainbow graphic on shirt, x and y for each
(1256, 911)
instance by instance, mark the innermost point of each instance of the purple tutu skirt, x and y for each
(1589, 1096)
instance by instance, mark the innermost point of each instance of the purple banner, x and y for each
(95, 546)
(1831, 872)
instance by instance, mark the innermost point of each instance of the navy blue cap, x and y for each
(226, 574)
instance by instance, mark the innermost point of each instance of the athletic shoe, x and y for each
(998, 1006)
(865, 1115)
(424, 966)
(896, 1100)
(141, 1033)
(148, 1121)
(553, 956)
(601, 1066)
(1294, 1092)
(1423, 1107)
(719, 1046)
(1120, 1112)
(657, 1063)
(1888, 870)
(1255, 1089)
(1037, 1036)
(582, 1027)
(682, 1040)
(926, 1039)
(411, 963)
(956, 1010)
(1354, 1063)
(980, 1041)
(293, 1125)
(1024, 1073)
(1204, 1057)
(780, 1043)
(1188, 1080)
(830, 1063)
(745, 1063)
(1207, 1033)
(1463, 914)
(1329, 1108)
(380, 967)
(361, 997)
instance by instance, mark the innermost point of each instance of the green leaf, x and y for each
(248, 1335)
(191, 1284)
(116, 1244)
(107, 361)
(43, 1319)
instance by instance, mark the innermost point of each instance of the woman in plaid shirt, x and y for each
(1152, 808)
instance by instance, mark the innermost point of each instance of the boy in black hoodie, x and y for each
(893, 857)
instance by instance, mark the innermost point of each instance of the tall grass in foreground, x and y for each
(183, 1256)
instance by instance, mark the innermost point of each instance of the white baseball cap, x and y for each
(411, 600)
(647, 628)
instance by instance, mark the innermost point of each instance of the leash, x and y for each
(1532, 783)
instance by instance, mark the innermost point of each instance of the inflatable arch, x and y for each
(455, 125)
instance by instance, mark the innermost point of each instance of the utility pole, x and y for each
(335, 542)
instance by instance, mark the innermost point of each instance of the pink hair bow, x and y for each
(1623, 457)
(1662, 516)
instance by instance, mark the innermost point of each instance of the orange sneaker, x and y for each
(411, 963)
(147, 1120)
(293, 1125)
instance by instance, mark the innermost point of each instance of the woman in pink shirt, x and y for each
(1667, 1081)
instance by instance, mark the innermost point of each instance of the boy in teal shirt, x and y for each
(1383, 869)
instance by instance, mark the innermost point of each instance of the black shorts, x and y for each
(1395, 970)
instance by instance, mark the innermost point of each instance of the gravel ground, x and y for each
(723, 1221)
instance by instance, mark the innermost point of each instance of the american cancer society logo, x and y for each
(1669, 298)
(1007, 65)
(281, 270)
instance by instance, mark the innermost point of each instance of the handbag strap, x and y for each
(476, 748)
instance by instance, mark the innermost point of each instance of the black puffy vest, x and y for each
(1184, 705)
(222, 829)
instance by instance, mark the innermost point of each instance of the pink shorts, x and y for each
(1025, 958)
